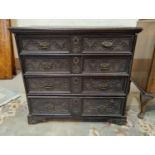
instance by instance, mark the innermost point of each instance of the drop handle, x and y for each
(107, 44)
(48, 87)
(104, 66)
(103, 86)
(48, 66)
(44, 45)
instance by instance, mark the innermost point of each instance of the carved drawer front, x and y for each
(102, 106)
(86, 106)
(45, 43)
(52, 106)
(100, 85)
(106, 64)
(46, 64)
(106, 44)
(45, 85)
(55, 105)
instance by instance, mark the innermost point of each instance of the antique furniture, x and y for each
(148, 93)
(76, 73)
(7, 64)
(143, 72)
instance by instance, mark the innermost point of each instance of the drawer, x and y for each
(76, 106)
(94, 44)
(45, 43)
(77, 85)
(106, 64)
(76, 64)
(44, 85)
(102, 106)
(46, 64)
(104, 85)
(75, 44)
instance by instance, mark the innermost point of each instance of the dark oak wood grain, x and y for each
(76, 73)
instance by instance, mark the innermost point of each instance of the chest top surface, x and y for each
(130, 30)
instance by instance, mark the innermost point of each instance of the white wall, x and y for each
(77, 22)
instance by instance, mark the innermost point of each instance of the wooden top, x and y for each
(75, 29)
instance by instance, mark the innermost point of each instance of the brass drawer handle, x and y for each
(48, 67)
(103, 86)
(43, 45)
(104, 66)
(48, 87)
(107, 44)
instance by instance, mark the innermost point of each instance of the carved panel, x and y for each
(76, 44)
(76, 65)
(76, 107)
(73, 106)
(106, 65)
(103, 85)
(106, 44)
(49, 105)
(102, 106)
(52, 84)
(47, 64)
(76, 84)
(45, 44)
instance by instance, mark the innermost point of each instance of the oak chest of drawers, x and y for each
(76, 74)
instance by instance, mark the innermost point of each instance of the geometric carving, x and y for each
(76, 60)
(46, 44)
(49, 105)
(100, 107)
(76, 44)
(106, 44)
(75, 107)
(106, 64)
(52, 85)
(76, 84)
(103, 85)
(46, 64)
(76, 65)
(76, 69)
(91, 106)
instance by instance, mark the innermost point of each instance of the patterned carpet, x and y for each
(13, 121)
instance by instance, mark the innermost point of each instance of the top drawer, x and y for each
(45, 43)
(108, 44)
(76, 44)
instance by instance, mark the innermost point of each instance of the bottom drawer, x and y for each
(76, 106)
